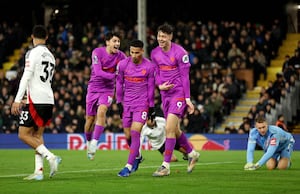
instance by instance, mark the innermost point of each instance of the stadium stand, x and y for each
(223, 82)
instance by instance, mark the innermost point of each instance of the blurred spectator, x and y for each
(280, 122)
(244, 128)
(9, 122)
(208, 44)
(230, 129)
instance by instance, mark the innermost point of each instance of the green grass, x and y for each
(216, 172)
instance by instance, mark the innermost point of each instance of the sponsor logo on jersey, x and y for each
(273, 141)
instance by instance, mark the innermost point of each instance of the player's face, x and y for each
(150, 123)
(137, 54)
(262, 128)
(164, 39)
(113, 44)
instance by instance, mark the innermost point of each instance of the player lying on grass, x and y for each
(155, 131)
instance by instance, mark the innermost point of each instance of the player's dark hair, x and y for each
(136, 43)
(166, 28)
(39, 31)
(110, 35)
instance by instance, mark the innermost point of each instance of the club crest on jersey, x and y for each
(185, 58)
(273, 141)
(144, 71)
(172, 59)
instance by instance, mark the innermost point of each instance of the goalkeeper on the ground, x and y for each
(276, 143)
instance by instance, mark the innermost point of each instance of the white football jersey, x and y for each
(37, 77)
(157, 135)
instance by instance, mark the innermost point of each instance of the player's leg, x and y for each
(271, 163)
(184, 153)
(91, 111)
(135, 151)
(25, 135)
(182, 150)
(104, 101)
(88, 133)
(38, 160)
(38, 173)
(135, 157)
(98, 130)
(193, 156)
(171, 124)
(126, 131)
(125, 172)
(284, 161)
(162, 151)
(127, 122)
(53, 160)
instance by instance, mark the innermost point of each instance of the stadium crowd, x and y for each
(216, 47)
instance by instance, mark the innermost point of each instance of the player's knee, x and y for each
(283, 164)
(271, 164)
(282, 167)
(270, 167)
(90, 119)
(101, 112)
(22, 134)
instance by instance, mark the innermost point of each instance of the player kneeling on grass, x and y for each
(276, 143)
(155, 131)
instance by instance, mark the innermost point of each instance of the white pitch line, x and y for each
(110, 169)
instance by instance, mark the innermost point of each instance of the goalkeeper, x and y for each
(155, 131)
(276, 143)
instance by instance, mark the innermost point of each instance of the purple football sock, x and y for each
(88, 135)
(183, 142)
(98, 130)
(169, 148)
(129, 141)
(134, 147)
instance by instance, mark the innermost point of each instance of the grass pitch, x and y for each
(216, 172)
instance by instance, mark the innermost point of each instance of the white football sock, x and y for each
(44, 152)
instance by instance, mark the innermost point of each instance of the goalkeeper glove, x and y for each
(251, 166)
(120, 107)
(151, 114)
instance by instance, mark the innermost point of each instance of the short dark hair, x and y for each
(166, 28)
(136, 43)
(40, 31)
(110, 35)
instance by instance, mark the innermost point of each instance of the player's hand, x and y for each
(165, 86)
(151, 114)
(191, 107)
(120, 107)
(16, 108)
(251, 166)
